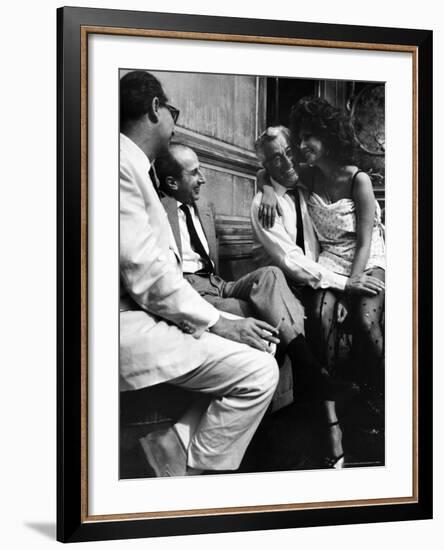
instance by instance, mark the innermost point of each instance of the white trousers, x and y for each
(243, 381)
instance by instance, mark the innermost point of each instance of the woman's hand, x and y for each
(364, 284)
(269, 206)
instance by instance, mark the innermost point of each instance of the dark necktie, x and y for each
(299, 225)
(196, 243)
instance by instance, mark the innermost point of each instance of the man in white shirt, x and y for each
(290, 242)
(168, 333)
(264, 292)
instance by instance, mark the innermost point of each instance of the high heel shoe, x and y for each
(335, 462)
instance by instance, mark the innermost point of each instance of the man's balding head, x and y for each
(179, 173)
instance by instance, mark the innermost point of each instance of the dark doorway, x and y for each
(282, 93)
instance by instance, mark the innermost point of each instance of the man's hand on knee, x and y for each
(364, 284)
(250, 331)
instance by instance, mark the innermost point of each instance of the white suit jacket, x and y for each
(155, 298)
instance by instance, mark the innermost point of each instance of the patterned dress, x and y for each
(335, 226)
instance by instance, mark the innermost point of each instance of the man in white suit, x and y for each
(167, 331)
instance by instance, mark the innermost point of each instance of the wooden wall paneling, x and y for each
(233, 194)
(218, 106)
(217, 153)
(261, 104)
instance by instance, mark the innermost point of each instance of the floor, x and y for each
(292, 439)
(295, 438)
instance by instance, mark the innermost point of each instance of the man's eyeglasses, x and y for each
(278, 160)
(173, 111)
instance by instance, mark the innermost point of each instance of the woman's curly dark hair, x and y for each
(330, 124)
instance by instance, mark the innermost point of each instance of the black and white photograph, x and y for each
(222, 275)
(252, 265)
(243, 211)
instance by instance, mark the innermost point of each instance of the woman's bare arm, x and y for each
(364, 199)
(269, 206)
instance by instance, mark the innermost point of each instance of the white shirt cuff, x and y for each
(215, 318)
(339, 281)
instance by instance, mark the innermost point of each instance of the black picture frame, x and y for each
(73, 523)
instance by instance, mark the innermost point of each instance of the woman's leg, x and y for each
(322, 326)
(368, 312)
(336, 451)
(321, 333)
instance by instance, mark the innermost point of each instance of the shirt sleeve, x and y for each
(290, 257)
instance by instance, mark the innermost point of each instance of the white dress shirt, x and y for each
(277, 245)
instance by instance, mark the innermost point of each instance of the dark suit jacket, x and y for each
(207, 218)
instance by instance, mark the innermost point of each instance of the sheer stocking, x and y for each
(322, 326)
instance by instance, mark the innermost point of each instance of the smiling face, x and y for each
(191, 178)
(312, 148)
(279, 160)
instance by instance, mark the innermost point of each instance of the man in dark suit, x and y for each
(263, 293)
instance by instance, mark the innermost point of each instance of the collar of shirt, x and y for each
(136, 153)
(279, 189)
(195, 218)
(191, 208)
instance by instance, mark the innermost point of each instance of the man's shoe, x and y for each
(165, 452)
